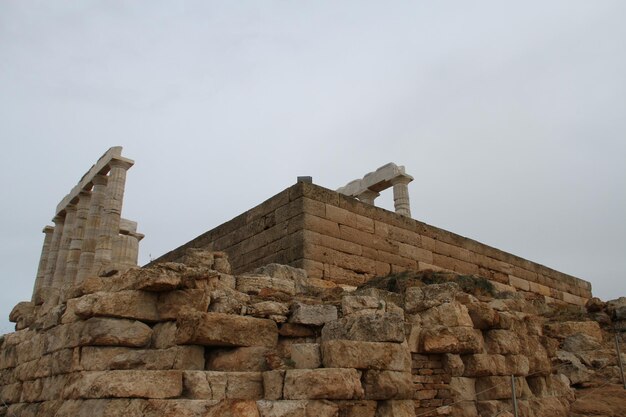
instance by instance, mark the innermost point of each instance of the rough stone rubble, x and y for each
(190, 339)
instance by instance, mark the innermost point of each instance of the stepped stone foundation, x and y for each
(339, 238)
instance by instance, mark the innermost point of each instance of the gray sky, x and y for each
(510, 116)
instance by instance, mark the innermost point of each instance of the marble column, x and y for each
(76, 245)
(368, 196)
(111, 215)
(54, 250)
(41, 270)
(92, 228)
(401, 194)
(64, 246)
(125, 251)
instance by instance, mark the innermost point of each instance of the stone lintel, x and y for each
(376, 181)
(100, 167)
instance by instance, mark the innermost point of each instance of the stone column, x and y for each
(41, 271)
(54, 251)
(111, 215)
(125, 251)
(368, 196)
(59, 278)
(73, 257)
(92, 228)
(401, 194)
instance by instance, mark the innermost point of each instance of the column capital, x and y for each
(48, 229)
(401, 179)
(121, 163)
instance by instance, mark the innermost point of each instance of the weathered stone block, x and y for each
(450, 314)
(254, 283)
(213, 385)
(273, 382)
(306, 355)
(395, 408)
(315, 315)
(173, 303)
(124, 384)
(451, 340)
(505, 342)
(372, 328)
(499, 388)
(112, 358)
(388, 385)
(565, 329)
(422, 298)
(325, 383)
(238, 359)
(297, 408)
(137, 305)
(217, 329)
(366, 355)
(361, 304)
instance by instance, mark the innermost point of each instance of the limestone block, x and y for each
(23, 315)
(44, 389)
(11, 393)
(285, 272)
(197, 257)
(361, 304)
(223, 385)
(388, 385)
(295, 330)
(551, 406)
(563, 330)
(483, 364)
(228, 301)
(451, 314)
(580, 342)
(451, 340)
(60, 362)
(297, 408)
(362, 408)
(124, 384)
(499, 388)
(414, 338)
(114, 332)
(323, 383)
(463, 388)
(395, 408)
(217, 329)
(273, 382)
(483, 316)
(453, 364)
(171, 304)
(195, 408)
(572, 367)
(371, 328)
(136, 305)
(418, 299)
(163, 335)
(502, 341)
(254, 283)
(111, 358)
(366, 355)
(617, 308)
(306, 355)
(315, 315)
(266, 309)
(238, 359)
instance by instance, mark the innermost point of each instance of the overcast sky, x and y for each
(511, 116)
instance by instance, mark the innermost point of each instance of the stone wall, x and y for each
(190, 339)
(341, 239)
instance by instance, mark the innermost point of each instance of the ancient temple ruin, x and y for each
(314, 303)
(89, 235)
